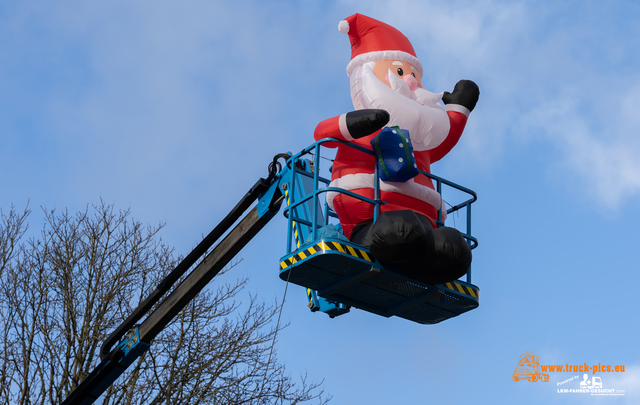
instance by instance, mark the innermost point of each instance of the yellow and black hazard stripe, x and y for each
(464, 289)
(323, 247)
(293, 223)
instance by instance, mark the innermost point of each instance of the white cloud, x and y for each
(598, 153)
(541, 70)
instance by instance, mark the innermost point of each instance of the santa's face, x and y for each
(400, 93)
(401, 69)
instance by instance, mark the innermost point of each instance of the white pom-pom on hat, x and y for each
(343, 26)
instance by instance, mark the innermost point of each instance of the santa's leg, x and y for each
(447, 256)
(405, 241)
(451, 258)
(396, 237)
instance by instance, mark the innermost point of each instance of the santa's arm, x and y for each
(459, 105)
(457, 120)
(352, 125)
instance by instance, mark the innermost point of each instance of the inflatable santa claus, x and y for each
(386, 90)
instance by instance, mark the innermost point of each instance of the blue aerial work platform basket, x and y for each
(339, 274)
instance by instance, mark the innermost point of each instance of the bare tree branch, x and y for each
(63, 292)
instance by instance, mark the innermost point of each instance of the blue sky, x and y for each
(174, 109)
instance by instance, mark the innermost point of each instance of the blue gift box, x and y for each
(394, 155)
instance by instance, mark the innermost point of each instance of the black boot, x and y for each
(450, 260)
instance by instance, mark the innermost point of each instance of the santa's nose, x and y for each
(411, 81)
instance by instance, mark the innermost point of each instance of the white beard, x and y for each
(419, 111)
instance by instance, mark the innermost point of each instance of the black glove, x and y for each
(465, 93)
(365, 122)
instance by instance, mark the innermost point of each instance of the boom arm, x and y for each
(115, 362)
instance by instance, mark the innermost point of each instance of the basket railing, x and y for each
(307, 217)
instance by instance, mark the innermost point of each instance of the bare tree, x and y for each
(63, 292)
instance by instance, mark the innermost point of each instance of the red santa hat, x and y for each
(373, 40)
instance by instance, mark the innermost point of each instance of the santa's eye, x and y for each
(413, 74)
(400, 72)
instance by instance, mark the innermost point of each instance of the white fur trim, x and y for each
(343, 26)
(356, 89)
(342, 124)
(458, 108)
(383, 55)
(365, 180)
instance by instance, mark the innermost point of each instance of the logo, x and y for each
(584, 381)
(529, 369)
(588, 385)
(595, 382)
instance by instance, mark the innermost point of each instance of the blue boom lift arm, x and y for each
(336, 273)
(116, 357)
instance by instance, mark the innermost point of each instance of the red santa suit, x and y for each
(354, 171)
(372, 41)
